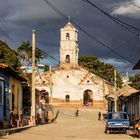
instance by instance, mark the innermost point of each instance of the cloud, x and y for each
(116, 62)
(18, 18)
(29, 10)
(127, 8)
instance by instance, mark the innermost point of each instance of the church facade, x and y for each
(70, 84)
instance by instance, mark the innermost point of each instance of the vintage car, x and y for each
(117, 122)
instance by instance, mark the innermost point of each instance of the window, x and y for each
(67, 36)
(1, 91)
(67, 59)
(117, 116)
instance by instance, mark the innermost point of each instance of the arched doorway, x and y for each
(67, 98)
(88, 97)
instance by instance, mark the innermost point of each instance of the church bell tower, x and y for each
(69, 46)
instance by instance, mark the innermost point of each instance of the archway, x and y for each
(67, 59)
(88, 97)
(67, 98)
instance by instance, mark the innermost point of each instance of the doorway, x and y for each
(88, 97)
(67, 98)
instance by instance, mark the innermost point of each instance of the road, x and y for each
(68, 127)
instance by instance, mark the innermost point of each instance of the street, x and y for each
(68, 127)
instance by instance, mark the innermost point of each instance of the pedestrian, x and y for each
(76, 112)
(99, 116)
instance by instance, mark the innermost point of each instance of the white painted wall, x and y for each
(73, 86)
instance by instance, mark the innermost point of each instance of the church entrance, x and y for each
(88, 97)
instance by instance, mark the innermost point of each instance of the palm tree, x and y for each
(39, 55)
(24, 51)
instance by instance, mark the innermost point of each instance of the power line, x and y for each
(122, 44)
(83, 30)
(133, 3)
(50, 56)
(125, 25)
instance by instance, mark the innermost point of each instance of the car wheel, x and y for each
(107, 131)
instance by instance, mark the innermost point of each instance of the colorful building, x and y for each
(10, 96)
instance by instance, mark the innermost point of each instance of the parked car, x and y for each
(117, 122)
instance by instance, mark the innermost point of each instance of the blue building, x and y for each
(10, 94)
(28, 69)
(4, 96)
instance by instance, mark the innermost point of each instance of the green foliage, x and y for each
(46, 68)
(135, 81)
(94, 65)
(9, 56)
(25, 52)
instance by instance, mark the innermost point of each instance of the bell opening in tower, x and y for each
(67, 36)
(67, 59)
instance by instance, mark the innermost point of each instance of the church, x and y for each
(69, 83)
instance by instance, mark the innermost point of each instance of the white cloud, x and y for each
(128, 9)
(115, 62)
(30, 10)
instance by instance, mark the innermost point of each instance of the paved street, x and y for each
(69, 127)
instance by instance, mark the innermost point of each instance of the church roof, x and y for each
(69, 25)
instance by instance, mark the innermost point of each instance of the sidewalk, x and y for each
(4, 132)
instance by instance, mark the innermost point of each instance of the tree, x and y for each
(135, 81)
(94, 65)
(46, 68)
(9, 56)
(39, 55)
(25, 52)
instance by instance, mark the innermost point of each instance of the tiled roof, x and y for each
(11, 71)
(126, 91)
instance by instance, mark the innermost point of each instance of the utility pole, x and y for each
(127, 78)
(50, 70)
(115, 85)
(33, 78)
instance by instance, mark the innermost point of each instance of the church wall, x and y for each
(74, 82)
(71, 85)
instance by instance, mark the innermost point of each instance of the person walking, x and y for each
(99, 116)
(76, 112)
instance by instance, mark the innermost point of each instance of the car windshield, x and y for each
(117, 116)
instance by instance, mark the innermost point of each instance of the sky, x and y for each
(119, 46)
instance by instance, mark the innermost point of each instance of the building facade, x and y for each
(69, 83)
(129, 101)
(10, 95)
